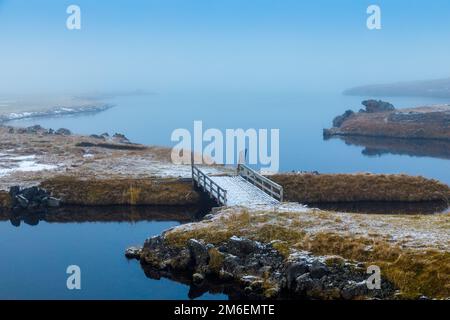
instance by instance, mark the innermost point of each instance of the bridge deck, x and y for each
(242, 193)
(244, 188)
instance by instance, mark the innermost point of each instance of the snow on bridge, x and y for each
(248, 188)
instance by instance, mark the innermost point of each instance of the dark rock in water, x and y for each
(339, 120)
(105, 134)
(63, 132)
(50, 131)
(133, 252)
(373, 106)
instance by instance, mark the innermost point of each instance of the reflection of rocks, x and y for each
(72, 214)
(248, 269)
(412, 147)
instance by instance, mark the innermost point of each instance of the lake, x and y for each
(35, 255)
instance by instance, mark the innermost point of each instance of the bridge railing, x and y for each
(268, 186)
(202, 180)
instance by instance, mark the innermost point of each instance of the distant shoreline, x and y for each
(439, 89)
(56, 111)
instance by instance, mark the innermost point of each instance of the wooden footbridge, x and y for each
(246, 187)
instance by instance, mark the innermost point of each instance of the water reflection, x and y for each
(212, 287)
(431, 207)
(74, 214)
(374, 146)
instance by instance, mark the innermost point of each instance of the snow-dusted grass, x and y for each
(25, 163)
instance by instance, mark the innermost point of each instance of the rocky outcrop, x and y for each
(27, 199)
(339, 120)
(32, 198)
(257, 270)
(373, 106)
(381, 119)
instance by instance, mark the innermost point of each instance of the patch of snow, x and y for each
(22, 158)
(25, 163)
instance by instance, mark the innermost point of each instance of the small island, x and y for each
(382, 119)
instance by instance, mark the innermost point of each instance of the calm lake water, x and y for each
(36, 254)
(35, 257)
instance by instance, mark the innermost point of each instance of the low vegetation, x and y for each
(99, 192)
(313, 188)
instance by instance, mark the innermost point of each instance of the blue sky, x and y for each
(224, 45)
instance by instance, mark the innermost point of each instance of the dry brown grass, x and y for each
(215, 260)
(100, 192)
(312, 188)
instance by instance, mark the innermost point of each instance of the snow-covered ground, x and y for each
(10, 163)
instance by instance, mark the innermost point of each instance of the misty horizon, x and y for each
(233, 46)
